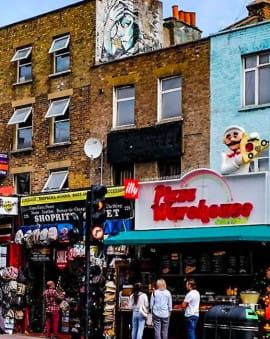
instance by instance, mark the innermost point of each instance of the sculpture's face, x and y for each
(232, 139)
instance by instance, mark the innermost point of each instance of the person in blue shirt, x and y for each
(161, 307)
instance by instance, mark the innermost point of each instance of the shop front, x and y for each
(215, 229)
(52, 239)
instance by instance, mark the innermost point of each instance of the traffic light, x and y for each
(98, 204)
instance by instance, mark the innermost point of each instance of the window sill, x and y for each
(22, 150)
(22, 82)
(164, 121)
(60, 144)
(68, 71)
(253, 107)
(123, 127)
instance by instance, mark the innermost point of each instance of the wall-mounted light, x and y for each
(101, 91)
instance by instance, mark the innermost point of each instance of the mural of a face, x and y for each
(121, 29)
(232, 138)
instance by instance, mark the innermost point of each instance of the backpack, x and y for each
(52, 234)
(43, 237)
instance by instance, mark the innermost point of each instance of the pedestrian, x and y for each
(51, 300)
(161, 307)
(191, 305)
(138, 302)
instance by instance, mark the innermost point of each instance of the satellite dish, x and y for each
(93, 148)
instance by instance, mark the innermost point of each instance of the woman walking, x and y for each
(138, 300)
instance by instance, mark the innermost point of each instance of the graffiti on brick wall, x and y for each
(121, 27)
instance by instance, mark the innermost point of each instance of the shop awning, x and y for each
(189, 235)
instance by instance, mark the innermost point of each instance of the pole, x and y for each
(88, 239)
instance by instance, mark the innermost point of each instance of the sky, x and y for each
(211, 15)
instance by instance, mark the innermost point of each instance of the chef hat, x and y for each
(234, 127)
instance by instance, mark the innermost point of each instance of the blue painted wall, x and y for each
(226, 86)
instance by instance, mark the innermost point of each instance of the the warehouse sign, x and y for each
(61, 207)
(202, 198)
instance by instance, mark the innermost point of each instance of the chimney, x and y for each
(182, 16)
(175, 11)
(187, 18)
(193, 19)
(259, 8)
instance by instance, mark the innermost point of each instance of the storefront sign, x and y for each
(131, 188)
(202, 198)
(60, 207)
(3, 164)
(8, 205)
(61, 259)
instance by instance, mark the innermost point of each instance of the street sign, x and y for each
(97, 232)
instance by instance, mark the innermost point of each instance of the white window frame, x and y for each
(63, 177)
(54, 112)
(23, 58)
(256, 70)
(20, 116)
(162, 92)
(118, 101)
(59, 51)
(255, 165)
(25, 53)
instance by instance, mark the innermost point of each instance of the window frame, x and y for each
(21, 124)
(58, 52)
(16, 185)
(58, 117)
(50, 178)
(162, 92)
(23, 61)
(256, 85)
(116, 107)
(255, 165)
(122, 171)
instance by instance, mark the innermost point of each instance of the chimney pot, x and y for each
(175, 11)
(192, 18)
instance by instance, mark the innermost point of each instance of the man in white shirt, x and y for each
(191, 305)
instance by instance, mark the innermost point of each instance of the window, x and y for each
(22, 118)
(170, 98)
(61, 55)
(56, 181)
(22, 183)
(261, 163)
(257, 79)
(122, 172)
(59, 112)
(125, 106)
(23, 58)
(169, 167)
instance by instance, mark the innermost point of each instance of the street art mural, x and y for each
(126, 28)
(243, 148)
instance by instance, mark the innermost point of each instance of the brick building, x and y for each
(55, 97)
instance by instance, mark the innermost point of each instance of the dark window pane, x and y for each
(250, 88)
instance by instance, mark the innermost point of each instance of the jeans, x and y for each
(190, 324)
(161, 327)
(138, 322)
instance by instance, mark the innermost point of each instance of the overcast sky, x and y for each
(211, 15)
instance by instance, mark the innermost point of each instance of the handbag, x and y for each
(149, 320)
(143, 311)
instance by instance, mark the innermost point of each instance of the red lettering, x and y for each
(246, 209)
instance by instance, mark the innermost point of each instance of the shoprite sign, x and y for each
(202, 198)
(59, 207)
